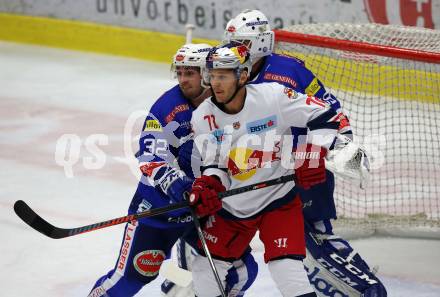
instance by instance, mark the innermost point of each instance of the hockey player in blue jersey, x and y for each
(343, 271)
(165, 179)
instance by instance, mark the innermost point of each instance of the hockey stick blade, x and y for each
(31, 218)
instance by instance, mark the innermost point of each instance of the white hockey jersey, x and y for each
(255, 144)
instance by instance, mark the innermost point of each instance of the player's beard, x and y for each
(191, 92)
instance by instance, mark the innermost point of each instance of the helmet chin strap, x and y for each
(237, 88)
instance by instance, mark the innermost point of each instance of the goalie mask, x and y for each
(251, 27)
(190, 55)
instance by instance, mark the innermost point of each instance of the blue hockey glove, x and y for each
(175, 183)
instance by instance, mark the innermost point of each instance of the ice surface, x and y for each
(45, 93)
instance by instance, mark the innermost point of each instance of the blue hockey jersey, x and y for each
(166, 127)
(291, 72)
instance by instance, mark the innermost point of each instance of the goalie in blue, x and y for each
(165, 179)
(330, 260)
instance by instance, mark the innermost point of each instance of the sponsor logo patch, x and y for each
(210, 237)
(148, 262)
(218, 135)
(281, 78)
(313, 87)
(186, 125)
(125, 250)
(290, 93)
(323, 286)
(153, 125)
(281, 242)
(181, 219)
(176, 110)
(231, 29)
(262, 125)
(257, 23)
(148, 168)
(144, 205)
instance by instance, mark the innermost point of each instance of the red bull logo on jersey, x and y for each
(244, 162)
(262, 125)
(148, 262)
(236, 125)
(401, 12)
(291, 94)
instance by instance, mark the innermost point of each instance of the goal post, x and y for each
(387, 78)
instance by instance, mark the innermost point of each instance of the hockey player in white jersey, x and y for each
(346, 159)
(243, 134)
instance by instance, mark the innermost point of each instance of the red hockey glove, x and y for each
(204, 195)
(309, 165)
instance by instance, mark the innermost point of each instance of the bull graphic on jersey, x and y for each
(244, 162)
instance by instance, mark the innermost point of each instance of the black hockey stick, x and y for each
(207, 252)
(31, 218)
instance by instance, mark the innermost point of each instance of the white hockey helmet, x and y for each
(232, 55)
(191, 55)
(251, 27)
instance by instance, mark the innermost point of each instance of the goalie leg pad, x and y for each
(335, 269)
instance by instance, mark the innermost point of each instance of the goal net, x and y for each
(387, 78)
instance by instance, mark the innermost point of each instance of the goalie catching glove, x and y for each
(204, 195)
(348, 160)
